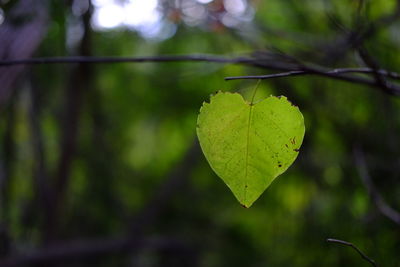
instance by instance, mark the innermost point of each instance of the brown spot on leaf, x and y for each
(293, 140)
(296, 149)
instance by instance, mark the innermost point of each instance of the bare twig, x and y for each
(268, 76)
(291, 69)
(386, 73)
(345, 243)
(375, 195)
(338, 74)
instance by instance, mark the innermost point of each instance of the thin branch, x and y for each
(338, 74)
(375, 195)
(383, 72)
(97, 60)
(291, 69)
(345, 243)
(177, 58)
(373, 64)
(356, 37)
(268, 76)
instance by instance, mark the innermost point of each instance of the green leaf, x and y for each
(248, 145)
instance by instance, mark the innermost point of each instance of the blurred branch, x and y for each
(132, 241)
(39, 168)
(355, 38)
(80, 80)
(96, 60)
(20, 40)
(7, 156)
(375, 195)
(373, 64)
(345, 243)
(189, 58)
(85, 249)
(293, 69)
(173, 183)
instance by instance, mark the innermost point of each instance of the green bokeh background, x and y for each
(137, 123)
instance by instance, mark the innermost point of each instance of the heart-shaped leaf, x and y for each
(248, 145)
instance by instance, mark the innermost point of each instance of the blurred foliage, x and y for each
(137, 123)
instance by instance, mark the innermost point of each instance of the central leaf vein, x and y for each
(247, 151)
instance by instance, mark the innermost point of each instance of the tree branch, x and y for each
(338, 74)
(79, 82)
(345, 243)
(97, 60)
(373, 64)
(291, 69)
(375, 195)
(382, 72)
(186, 58)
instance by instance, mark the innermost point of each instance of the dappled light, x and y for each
(1, 16)
(147, 17)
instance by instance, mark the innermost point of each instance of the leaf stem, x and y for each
(248, 142)
(255, 91)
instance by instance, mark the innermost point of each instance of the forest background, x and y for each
(99, 162)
